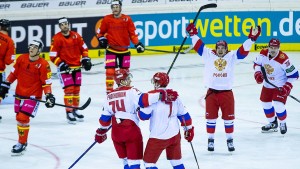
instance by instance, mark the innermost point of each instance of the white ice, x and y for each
(55, 144)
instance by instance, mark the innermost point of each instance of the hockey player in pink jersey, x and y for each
(282, 73)
(164, 126)
(218, 78)
(119, 112)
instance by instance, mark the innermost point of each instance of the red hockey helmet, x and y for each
(222, 43)
(160, 79)
(274, 42)
(122, 75)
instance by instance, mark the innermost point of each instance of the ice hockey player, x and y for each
(120, 112)
(165, 127)
(7, 49)
(282, 73)
(33, 74)
(218, 77)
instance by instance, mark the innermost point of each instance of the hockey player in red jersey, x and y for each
(68, 52)
(282, 73)
(120, 112)
(114, 35)
(7, 49)
(218, 77)
(34, 76)
(164, 126)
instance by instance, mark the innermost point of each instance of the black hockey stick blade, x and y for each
(86, 104)
(263, 70)
(212, 5)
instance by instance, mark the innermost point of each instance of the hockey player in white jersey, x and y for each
(282, 73)
(119, 112)
(164, 126)
(218, 77)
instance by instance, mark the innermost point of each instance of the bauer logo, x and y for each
(72, 3)
(144, 1)
(35, 5)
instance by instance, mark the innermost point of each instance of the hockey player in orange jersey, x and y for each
(114, 35)
(34, 76)
(68, 52)
(7, 49)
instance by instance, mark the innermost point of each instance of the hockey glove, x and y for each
(4, 87)
(100, 135)
(254, 33)
(168, 95)
(140, 48)
(86, 63)
(191, 29)
(285, 90)
(103, 42)
(50, 100)
(189, 134)
(64, 68)
(258, 77)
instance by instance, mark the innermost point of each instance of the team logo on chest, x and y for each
(220, 64)
(269, 69)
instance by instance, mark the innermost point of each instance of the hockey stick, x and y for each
(212, 5)
(267, 80)
(81, 67)
(190, 142)
(85, 105)
(88, 149)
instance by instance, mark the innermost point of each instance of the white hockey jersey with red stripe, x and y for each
(279, 69)
(219, 71)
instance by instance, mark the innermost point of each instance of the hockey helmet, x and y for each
(63, 20)
(37, 43)
(122, 75)
(160, 79)
(274, 42)
(5, 24)
(222, 43)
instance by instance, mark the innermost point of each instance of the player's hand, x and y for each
(103, 42)
(189, 134)
(254, 33)
(140, 48)
(258, 77)
(4, 87)
(168, 95)
(285, 90)
(86, 63)
(63, 67)
(191, 29)
(50, 100)
(100, 135)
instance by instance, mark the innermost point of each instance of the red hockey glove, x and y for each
(100, 135)
(191, 29)
(168, 95)
(254, 33)
(189, 134)
(259, 77)
(285, 90)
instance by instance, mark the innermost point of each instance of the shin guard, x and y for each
(23, 133)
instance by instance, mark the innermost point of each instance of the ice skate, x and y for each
(18, 149)
(271, 127)
(230, 145)
(211, 145)
(70, 117)
(79, 116)
(283, 128)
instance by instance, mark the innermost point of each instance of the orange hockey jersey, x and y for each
(33, 76)
(7, 51)
(118, 31)
(68, 49)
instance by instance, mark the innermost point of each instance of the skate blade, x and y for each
(270, 131)
(72, 122)
(80, 119)
(17, 154)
